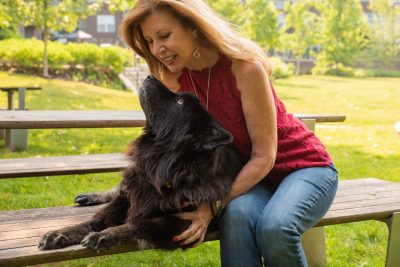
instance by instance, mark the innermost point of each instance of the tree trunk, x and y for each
(45, 63)
(45, 39)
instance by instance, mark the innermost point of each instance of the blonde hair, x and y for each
(196, 14)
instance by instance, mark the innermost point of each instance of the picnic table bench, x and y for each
(357, 200)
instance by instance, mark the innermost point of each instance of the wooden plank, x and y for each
(369, 191)
(29, 215)
(380, 212)
(57, 221)
(28, 119)
(77, 164)
(30, 255)
(319, 118)
(15, 88)
(359, 197)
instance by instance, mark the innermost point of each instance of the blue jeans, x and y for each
(267, 224)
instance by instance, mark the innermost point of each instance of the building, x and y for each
(103, 27)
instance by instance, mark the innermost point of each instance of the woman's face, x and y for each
(169, 41)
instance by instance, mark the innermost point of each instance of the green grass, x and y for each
(365, 145)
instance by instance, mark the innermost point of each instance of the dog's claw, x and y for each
(53, 240)
(98, 242)
(84, 200)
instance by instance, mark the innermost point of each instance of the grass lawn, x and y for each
(366, 145)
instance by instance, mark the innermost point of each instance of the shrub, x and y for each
(383, 73)
(116, 58)
(335, 70)
(85, 54)
(281, 69)
(83, 62)
(58, 56)
(21, 52)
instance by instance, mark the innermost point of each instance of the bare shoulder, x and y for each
(249, 73)
(246, 67)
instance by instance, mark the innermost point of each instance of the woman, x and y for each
(289, 180)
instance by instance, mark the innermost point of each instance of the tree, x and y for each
(343, 34)
(8, 18)
(385, 36)
(232, 10)
(300, 29)
(261, 24)
(49, 15)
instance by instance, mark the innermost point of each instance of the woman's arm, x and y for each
(260, 115)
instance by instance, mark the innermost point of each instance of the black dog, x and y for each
(183, 156)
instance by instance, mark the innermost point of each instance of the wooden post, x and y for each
(314, 239)
(393, 248)
(17, 139)
(10, 104)
(310, 123)
(314, 246)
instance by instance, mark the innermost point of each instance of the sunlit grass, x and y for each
(365, 145)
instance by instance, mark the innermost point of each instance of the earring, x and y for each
(196, 51)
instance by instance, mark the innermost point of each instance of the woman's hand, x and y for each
(200, 218)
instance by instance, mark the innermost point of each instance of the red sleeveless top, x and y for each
(297, 147)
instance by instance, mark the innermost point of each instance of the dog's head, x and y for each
(179, 118)
(179, 149)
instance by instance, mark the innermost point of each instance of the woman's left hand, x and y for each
(200, 218)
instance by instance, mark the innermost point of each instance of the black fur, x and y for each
(184, 155)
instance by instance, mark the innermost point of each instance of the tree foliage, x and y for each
(231, 10)
(385, 34)
(9, 18)
(300, 30)
(49, 15)
(261, 24)
(343, 33)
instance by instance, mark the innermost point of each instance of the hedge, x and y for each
(77, 61)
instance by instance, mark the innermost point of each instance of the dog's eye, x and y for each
(180, 101)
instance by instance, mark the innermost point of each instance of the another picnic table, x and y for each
(51, 119)
(16, 139)
(21, 95)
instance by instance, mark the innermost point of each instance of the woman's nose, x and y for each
(158, 48)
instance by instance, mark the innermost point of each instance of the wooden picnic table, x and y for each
(21, 95)
(51, 119)
(16, 139)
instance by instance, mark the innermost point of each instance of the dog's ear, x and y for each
(215, 136)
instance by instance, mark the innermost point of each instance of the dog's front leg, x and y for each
(65, 237)
(111, 215)
(119, 235)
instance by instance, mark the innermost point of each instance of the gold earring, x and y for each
(196, 51)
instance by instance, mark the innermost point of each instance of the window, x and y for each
(105, 23)
(83, 25)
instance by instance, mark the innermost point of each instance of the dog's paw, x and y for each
(53, 240)
(88, 199)
(98, 241)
